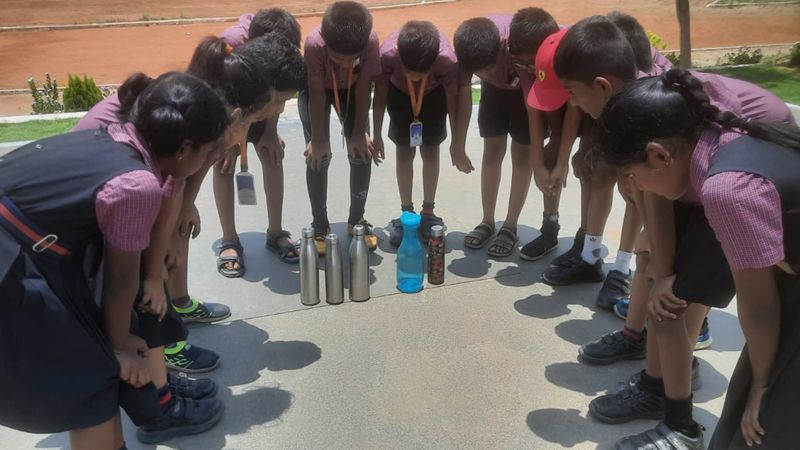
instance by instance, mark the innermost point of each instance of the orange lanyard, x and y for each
(416, 99)
(337, 102)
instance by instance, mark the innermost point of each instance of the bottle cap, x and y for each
(410, 219)
(331, 239)
(308, 232)
(437, 231)
(358, 230)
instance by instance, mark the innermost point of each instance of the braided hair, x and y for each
(671, 108)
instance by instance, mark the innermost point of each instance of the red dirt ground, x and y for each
(110, 54)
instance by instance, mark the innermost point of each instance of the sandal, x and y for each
(223, 261)
(478, 237)
(288, 253)
(504, 243)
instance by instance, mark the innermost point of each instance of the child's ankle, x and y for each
(407, 208)
(427, 208)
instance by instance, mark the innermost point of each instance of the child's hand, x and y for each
(542, 178)
(750, 426)
(154, 298)
(227, 164)
(317, 155)
(133, 368)
(558, 179)
(189, 222)
(378, 150)
(663, 301)
(460, 160)
(360, 146)
(274, 150)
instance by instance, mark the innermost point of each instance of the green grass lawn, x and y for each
(35, 129)
(782, 81)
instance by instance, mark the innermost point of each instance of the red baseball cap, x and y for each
(548, 94)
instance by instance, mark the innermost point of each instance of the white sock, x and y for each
(623, 262)
(591, 248)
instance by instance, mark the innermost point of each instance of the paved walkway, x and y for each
(486, 361)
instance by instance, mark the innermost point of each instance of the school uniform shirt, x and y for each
(237, 35)
(319, 65)
(444, 72)
(505, 76)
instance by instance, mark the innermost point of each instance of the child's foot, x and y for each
(704, 340)
(576, 249)
(230, 262)
(396, 233)
(504, 243)
(428, 221)
(629, 404)
(478, 237)
(613, 347)
(662, 437)
(184, 357)
(195, 389)
(369, 236)
(542, 245)
(621, 308)
(576, 270)
(319, 239)
(616, 287)
(203, 312)
(282, 245)
(697, 382)
(186, 417)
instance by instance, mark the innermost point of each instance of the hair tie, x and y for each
(228, 49)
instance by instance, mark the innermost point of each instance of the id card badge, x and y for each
(415, 134)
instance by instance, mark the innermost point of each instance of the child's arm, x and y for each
(154, 299)
(659, 225)
(357, 142)
(460, 114)
(572, 122)
(319, 150)
(378, 110)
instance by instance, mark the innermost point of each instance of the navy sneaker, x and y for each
(697, 382)
(395, 233)
(613, 347)
(621, 308)
(616, 287)
(575, 250)
(704, 340)
(186, 417)
(577, 271)
(184, 357)
(629, 404)
(542, 245)
(187, 387)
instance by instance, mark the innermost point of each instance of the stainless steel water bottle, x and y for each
(309, 276)
(334, 277)
(359, 266)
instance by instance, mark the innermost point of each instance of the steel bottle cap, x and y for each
(331, 239)
(437, 231)
(308, 232)
(358, 230)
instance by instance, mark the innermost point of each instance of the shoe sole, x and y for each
(606, 361)
(525, 257)
(605, 307)
(189, 320)
(618, 420)
(704, 344)
(160, 436)
(570, 282)
(623, 317)
(187, 370)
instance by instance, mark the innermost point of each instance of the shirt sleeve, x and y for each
(450, 76)
(314, 55)
(744, 212)
(126, 208)
(386, 70)
(372, 58)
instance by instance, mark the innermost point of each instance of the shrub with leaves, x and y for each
(45, 100)
(794, 55)
(674, 58)
(743, 56)
(656, 42)
(81, 94)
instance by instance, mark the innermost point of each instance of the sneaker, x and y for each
(186, 387)
(697, 382)
(184, 357)
(428, 221)
(577, 271)
(575, 250)
(629, 404)
(616, 287)
(369, 236)
(187, 416)
(203, 312)
(621, 308)
(542, 245)
(704, 340)
(396, 233)
(613, 347)
(661, 437)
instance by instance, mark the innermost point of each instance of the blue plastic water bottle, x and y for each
(410, 256)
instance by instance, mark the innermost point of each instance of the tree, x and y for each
(682, 7)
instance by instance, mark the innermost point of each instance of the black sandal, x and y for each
(504, 243)
(223, 261)
(478, 237)
(290, 253)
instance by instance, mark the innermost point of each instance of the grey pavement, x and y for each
(486, 361)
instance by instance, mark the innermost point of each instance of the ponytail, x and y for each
(130, 91)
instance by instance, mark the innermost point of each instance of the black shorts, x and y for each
(433, 116)
(349, 115)
(702, 273)
(158, 334)
(502, 112)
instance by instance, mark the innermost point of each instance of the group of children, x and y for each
(701, 209)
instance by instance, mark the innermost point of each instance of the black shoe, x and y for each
(184, 357)
(542, 245)
(575, 250)
(396, 233)
(629, 404)
(612, 347)
(186, 387)
(186, 417)
(577, 271)
(616, 287)
(697, 382)
(661, 437)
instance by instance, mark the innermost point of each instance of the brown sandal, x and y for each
(478, 237)
(504, 243)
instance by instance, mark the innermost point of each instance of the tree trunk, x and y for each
(682, 7)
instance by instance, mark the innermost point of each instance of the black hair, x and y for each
(477, 43)
(242, 75)
(346, 27)
(275, 20)
(283, 61)
(594, 47)
(671, 108)
(418, 45)
(637, 37)
(529, 28)
(171, 109)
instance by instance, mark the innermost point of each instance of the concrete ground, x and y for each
(486, 361)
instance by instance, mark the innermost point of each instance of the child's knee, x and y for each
(430, 154)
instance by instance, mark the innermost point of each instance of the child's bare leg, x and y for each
(224, 197)
(430, 172)
(156, 366)
(494, 151)
(522, 171)
(97, 437)
(405, 173)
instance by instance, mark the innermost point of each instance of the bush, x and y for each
(794, 55)
(743, 56)
(81, 94)
(45, 100)
(656, 42)
(674, 58)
